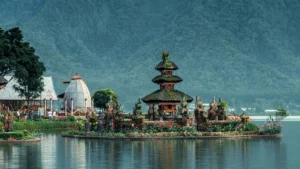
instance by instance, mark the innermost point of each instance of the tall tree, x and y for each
(101, 97)
(18, 58)
(10, 46)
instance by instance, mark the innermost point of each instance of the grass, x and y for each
(45, 125)
(16, 135)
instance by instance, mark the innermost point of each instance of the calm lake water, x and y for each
(55, 152)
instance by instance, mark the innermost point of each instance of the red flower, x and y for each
(169, 125)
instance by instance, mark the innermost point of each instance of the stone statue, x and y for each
(244, 117)
(110, 126)
(87, 126)
(183, 111)
(221, 110)
(165, 56)
(92, 119)
(212, 111)
(8, 120)
(109, 113)
(156, 114)
(137, 112)
(151, 112)
(138, 108)
(199, 112)
(99, 125)
(117, 115)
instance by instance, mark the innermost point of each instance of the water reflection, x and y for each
(20, 156)
(57, 152)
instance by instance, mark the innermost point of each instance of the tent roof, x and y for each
(8, 92)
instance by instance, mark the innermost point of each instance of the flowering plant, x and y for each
(272, 127)
(80, 124)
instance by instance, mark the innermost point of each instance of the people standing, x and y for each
(25, 114)
(54, 114)
(18, 114)
(49, 114)
(30, 114)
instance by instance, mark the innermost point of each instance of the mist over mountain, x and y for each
(242, 50)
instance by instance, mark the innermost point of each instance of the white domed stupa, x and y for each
(79, 92)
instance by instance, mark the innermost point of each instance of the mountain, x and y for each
(243, 50)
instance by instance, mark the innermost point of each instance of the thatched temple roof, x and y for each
(3, 80)
(162, 78)
(166, 63)
(166, 96)
(9, 93)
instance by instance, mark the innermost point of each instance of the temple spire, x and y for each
(165, 56)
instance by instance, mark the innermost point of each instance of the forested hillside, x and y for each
(246, 51)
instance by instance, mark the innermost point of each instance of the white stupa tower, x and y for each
(78, 94)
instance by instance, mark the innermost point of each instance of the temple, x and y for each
(77, 96)
(167, 97)
(9, 96)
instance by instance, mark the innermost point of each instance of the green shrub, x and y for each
(71, 117)
(247, 127)
(164, 128)
(281, 114)
(220, 128)
(230, 127)
(250, 127)
(16, 135)
(44, 125)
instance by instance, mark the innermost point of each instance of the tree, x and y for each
(101, 97)
(11, 50)
(18, 58)
(281, 114)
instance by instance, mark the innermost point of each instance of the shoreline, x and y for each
(35, 140)
(175, 137)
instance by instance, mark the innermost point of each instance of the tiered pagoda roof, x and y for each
(161, 78)
(166, 65)
(166, 94)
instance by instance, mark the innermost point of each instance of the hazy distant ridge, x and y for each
(230, 47)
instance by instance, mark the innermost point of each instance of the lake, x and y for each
(55, 152)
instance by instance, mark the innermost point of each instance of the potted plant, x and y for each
(244, 117)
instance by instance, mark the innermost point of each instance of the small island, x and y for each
(168, 116)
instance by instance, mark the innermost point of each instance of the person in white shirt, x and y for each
(49, 114)
(18, 113)
(54, 114)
